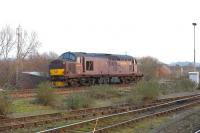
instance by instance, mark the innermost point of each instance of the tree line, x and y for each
(18, 53)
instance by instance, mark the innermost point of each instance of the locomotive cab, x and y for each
(61, 68)
(57, 71)
(56, 68)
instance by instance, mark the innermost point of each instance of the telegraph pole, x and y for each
(194, 24)
(18, 33)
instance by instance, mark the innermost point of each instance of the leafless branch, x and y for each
(29, 44)
(6, 42)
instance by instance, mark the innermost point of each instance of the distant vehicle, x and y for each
(78, 68)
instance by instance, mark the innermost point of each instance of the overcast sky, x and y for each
(159, 28)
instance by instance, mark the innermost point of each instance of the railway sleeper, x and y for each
(150, 116)
(173, 111)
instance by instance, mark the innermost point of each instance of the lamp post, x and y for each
(194, 24)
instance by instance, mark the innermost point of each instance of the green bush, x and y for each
(103, 92)
(5, 104)
(147, 90)
(80, 100)
(45, 95)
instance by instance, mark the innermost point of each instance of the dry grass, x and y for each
(5, 104)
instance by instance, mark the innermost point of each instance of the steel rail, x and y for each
(197, 131)
(101, 130)
(22, 122)
(117, 114)
(116, 108)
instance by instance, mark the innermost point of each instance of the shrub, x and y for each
(5, 104)
(45, 95)
(147, 90)
(149, 66)
(133, 98)
(177, 86)
(198, 87)
(184, 85)
(76, 101)
(103, 92)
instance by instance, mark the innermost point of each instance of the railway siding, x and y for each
(71, 126)
(34, 121)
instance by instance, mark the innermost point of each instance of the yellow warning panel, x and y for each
(58, 84)
(56, 72)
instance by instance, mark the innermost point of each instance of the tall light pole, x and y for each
(194, 24)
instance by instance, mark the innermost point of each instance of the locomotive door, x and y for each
(133, 62)
(83, 63)
(70, 68)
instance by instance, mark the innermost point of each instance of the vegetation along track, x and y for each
(108, 122)
(34, 121)
(29, 93)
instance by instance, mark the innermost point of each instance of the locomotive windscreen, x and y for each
(56, 64)
(68, 56)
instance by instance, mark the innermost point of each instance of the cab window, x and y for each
(89, 65)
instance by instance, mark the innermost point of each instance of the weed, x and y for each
(103, 92)
(76, 101)
(147, 90)
(5, 104)
(46, 96)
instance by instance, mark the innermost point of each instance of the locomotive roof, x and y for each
(101, 55)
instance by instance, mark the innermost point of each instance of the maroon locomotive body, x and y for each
(78, 68)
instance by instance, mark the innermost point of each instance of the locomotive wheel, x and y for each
(106, 80)
(92, 81)
(100, 80)
(74, 83)
(84, 82)
(123, 80)
(103, 80)
(128, 80)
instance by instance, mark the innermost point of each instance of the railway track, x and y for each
(34, 121)
(30, 93)
(109, 122)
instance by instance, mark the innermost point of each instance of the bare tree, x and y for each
(28, 45)
(39, 62)
(25, 43)
(149, 66)
(52, 55)
(2, 39)
(7, 42)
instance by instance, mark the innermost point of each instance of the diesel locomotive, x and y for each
(79, 69)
